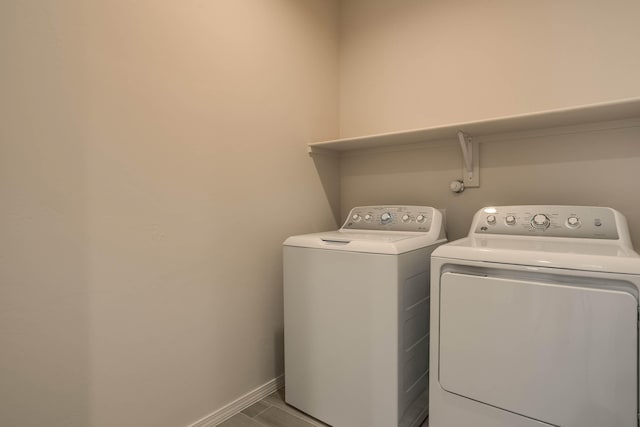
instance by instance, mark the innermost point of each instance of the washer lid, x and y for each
(377, 242)
(573, 254)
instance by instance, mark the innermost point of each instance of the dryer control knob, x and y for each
(385, 218)
(420, 218)
(510, 220)
(355, 218)
(367, 217)
(406, 218)
(540, 221)
(573, 221)
(491, 219)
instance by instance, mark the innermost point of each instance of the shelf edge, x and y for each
(619, 109)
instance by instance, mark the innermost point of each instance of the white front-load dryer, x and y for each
(534, 321)
(356, 317)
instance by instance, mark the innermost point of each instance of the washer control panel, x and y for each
(390, 218)
(554, 221)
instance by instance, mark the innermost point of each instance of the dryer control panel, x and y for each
(390, 218)
(554, 221)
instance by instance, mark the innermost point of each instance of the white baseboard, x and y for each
(239, 404)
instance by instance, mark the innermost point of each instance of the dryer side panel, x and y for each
(561, 354)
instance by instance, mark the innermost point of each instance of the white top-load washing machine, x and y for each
(356, 317)
(534, 321)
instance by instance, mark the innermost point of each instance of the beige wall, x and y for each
(411, 64)
(152, 160)
(414, 63)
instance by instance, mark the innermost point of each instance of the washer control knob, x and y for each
(421, 218)
(355, 218)
(406, 218)
(573, 221)
(385, 218)
(491, 219)
(540, 221)
(510, 220)
(367, 217)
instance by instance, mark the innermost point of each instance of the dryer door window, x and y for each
(562, 354)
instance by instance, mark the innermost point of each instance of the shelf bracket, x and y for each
(471, 157)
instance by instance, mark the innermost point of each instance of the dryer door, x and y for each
(562, 354)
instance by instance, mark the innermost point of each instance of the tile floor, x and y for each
(272, 411)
